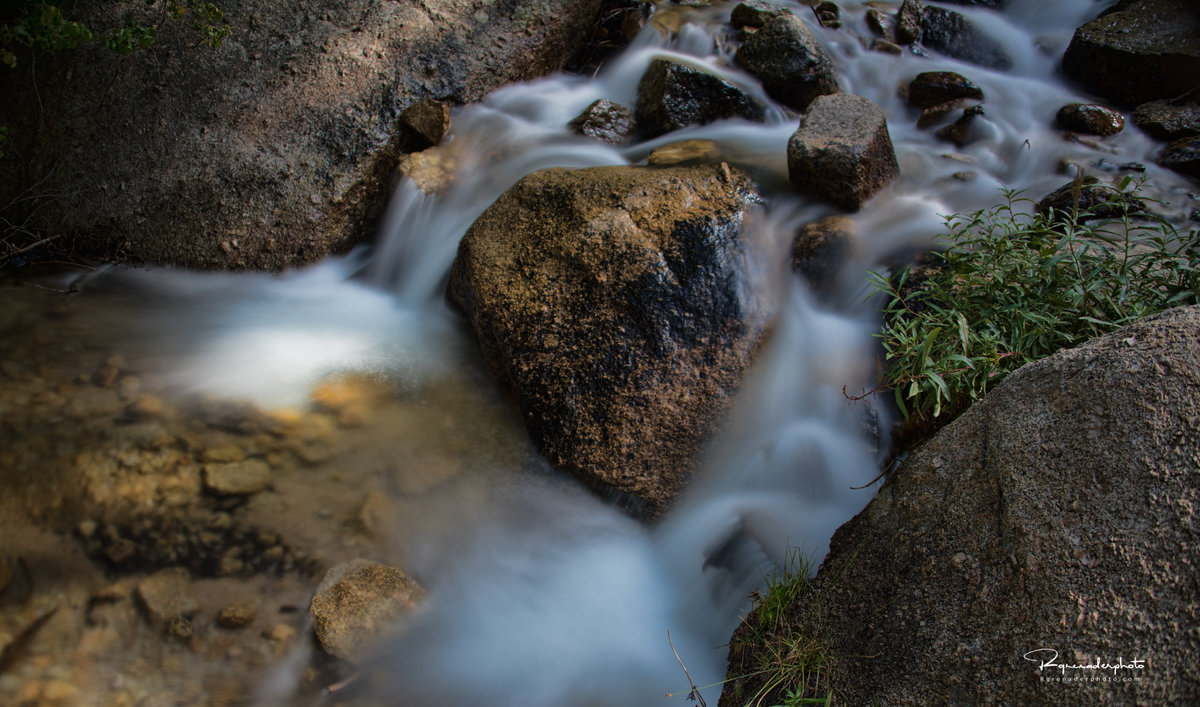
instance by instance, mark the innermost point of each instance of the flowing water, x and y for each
(538, 592)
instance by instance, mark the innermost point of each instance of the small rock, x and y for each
(224, 454)
(48, 693)
(821, 250)
(828, 14)
(377, 515)
(787, 59)
(606, 121)
(959, 132)
(909, 21)
(423, 125)
(885, 47)
(1090, 198)
(167, 596)
(431, 170)
(755, 14)
(147, 406)
(1091, 119)
(932, 88)
(1168, 121)
(684, 152)
(881, 24)
(949, 33)
(935, 114)
(1182, 156)
(358, 602)
(238, 615)
(842, 152)
(239, 479)
(281, 635)
(672, 95)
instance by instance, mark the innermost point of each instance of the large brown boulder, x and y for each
(1146, 50)
(842, 152)
(610, 302)
(269, 151)
(1052, 524)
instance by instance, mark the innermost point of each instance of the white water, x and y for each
(552, 597)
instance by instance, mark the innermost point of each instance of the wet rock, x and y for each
(1144, 51)
(949, 33)
(48, 693)
(1088, 199)
(932, 88)
(821, 249)
(224, 453)
(881, 24)
(606, 121)
(166, 597)
(1091, 119)
(961, 132)
(281, 636)
(936, 114)
(886, 47)
(909, 21)
(792, 67)
(167, 162)
(431, 170)
(684, 152)
(239, 479)
(828, 14)
(755, 13)
(672, 95)
(423, 125)
(357, 603)
(1019, 528)
(1166, 120)
(606, 299)
(842, 153)
(238, 615)
(352, 399)
(994, 4)
(1182, 156)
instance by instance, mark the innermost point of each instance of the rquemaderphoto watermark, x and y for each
(1052, 667)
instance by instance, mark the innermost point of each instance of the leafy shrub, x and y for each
(1014, 286)
(42, 25)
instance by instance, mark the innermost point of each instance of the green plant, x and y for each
(790, 661)
(1013, 286)
(43, 25)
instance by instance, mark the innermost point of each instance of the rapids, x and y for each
(546, 595)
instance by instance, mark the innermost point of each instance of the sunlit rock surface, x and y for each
(1052, 524)
(610, 301)
(270, 151)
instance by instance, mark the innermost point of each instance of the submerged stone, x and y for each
(358, 603)
(949, 33)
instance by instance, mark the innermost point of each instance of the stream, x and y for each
(539, 592)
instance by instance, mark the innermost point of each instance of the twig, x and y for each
(29, 247)
(694, 694)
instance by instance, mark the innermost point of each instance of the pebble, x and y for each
(167, 596)
(238, 615)
(357, 602)
(237, 479)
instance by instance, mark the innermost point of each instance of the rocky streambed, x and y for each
(242, 489)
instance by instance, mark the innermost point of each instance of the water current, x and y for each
(544, 594)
